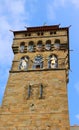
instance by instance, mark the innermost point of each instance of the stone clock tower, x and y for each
(36, 94)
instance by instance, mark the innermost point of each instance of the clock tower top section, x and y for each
(41, 48)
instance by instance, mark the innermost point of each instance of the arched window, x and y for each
(24, 63)
(38, 62)
(52, 61)
(39, 46)
(22, 46)
(57, 44)
(48, 45)
(31, 46)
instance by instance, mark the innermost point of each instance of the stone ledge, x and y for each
(18, 71)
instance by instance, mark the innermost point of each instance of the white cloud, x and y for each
(59, 3)
(75, 3)
(50, 12)
(14, 15)
(77, 116)
(64, 3)
(16, 7)
(13, 6)
(52, 6)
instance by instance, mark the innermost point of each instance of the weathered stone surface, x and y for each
(20, 111)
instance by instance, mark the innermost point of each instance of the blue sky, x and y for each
(16, 14)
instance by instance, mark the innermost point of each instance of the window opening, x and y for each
(31, 46)
(39, 46)
(48, 45)
(38, 66)
(38, 33)
(22, 46)
(54, 32)
(57, 44)
(42, 33)
(51, 33)
(29, 91)
(41, 90)
(29, 34)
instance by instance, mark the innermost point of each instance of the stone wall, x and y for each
(49, 112)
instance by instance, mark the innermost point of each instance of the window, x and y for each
(40, 33)
(31, 46)
(27, 34)
(24, 63)
(57, 44)
(38, 62)
(29, 91)
(54, 32)
(52, 61)
(35, 91)
(41, 91)
(39, 46)
(48, 45)
(51, 33)
(22, 46)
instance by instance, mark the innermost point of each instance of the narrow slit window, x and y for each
(29, 91)
(41, 91)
